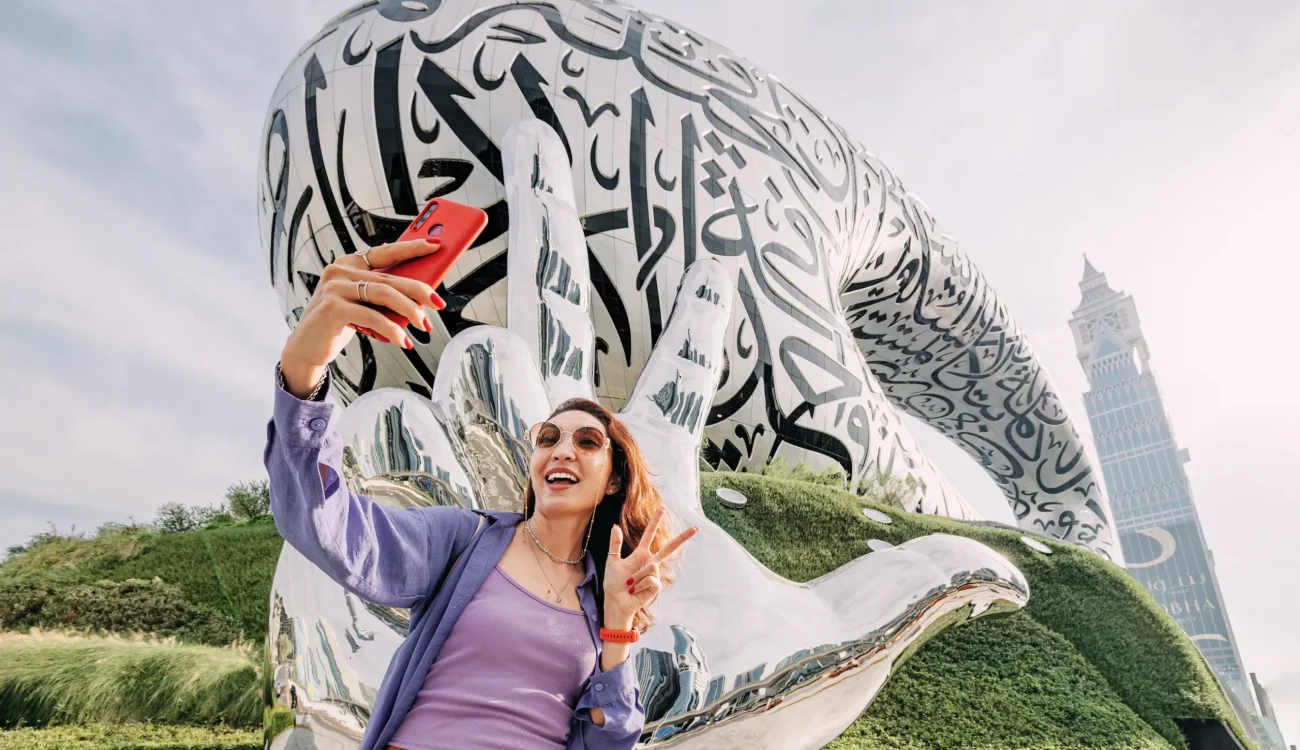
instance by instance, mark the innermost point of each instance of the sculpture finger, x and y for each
(681, 376)
(487, 393)
(546, 267)
(415, 464)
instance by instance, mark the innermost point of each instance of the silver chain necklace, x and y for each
(559, 599)
(528, 526)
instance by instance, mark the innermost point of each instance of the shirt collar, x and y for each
(591, 570)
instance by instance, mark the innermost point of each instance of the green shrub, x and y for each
(778, 468)
(226, 571)
(50, 678)
(132, 736)
(249, 500)
(274, 721)
(132, 605)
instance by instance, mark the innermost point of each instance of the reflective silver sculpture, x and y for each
(851, 305)
(740, 657)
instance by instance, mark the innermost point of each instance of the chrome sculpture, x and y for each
(740, 657)
(851, 305)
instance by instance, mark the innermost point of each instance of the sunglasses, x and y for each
(586, 440)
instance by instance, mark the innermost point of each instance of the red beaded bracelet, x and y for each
(619, 636)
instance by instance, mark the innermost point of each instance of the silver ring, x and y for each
(361, 291)
(362, 255)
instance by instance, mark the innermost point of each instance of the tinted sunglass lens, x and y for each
(545, 435)
(589, 439)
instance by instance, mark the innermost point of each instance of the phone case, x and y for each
(456, 226)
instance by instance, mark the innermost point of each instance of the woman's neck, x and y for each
(563, 536)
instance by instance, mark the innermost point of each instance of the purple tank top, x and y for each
(509, 675)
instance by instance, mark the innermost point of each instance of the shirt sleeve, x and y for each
(390, 556)
(618, 696)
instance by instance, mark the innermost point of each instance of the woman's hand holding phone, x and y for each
(336, 310)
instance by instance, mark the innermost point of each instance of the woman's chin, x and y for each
(563, 501)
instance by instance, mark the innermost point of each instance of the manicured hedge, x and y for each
(133, 605)
(1005, 682)
(1100, 615)
(134, 736)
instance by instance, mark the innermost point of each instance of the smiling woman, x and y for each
(518, 663)
(526, 643)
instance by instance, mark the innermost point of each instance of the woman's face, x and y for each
(553, 470)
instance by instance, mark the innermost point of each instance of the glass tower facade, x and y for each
(1142, 465)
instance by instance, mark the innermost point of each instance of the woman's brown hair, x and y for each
(630, 506)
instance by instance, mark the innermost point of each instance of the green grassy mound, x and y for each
(133, 736)
(1092, 661)
(60, 679)
(226, 570)
(998, 683)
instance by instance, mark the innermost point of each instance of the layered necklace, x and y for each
(528, 526)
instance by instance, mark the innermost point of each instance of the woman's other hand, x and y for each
(335, 310)
(632, 582)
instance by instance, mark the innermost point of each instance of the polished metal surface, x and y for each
(1035, 545)
(740, 657)
(851, 304)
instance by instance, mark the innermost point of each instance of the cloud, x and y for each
(138, 336)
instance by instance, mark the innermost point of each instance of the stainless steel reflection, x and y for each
(740, 657)
(396, 451)
(677, 148)
(488, 394)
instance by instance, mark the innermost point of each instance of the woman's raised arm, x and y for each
(387, 555)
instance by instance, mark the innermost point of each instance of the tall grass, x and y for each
(52, 678)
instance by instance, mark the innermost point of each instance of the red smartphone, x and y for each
(456, 226)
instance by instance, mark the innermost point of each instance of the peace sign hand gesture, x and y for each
(790, 650)
(632, 582)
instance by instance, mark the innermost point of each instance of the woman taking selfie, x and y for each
(521, 623)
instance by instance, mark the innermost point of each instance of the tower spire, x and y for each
(1088, 270)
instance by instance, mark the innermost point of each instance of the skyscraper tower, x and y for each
(1142, 465)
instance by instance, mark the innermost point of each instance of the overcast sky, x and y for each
(137, 333)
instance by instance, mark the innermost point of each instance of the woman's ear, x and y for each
(613, 486)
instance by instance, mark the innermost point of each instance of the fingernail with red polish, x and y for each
(629, 581)
(406, 341)
(631, 591)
